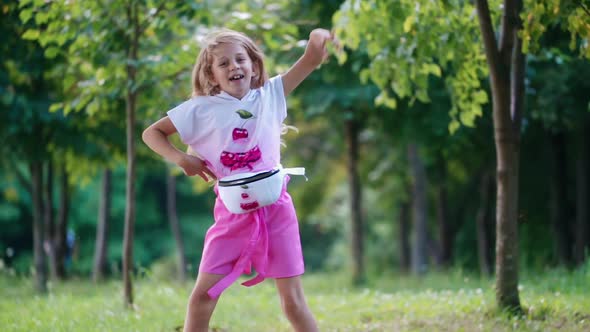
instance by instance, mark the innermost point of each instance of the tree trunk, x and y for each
(49, 220)
(175, 224)
(131, 99)
(559, 218)
(59, 237)
(102, 228)
(40, 260)
(419, 211)
(506, 64)
(357, 233)
(582, 223)
(481, 219)
(404, 236)
(444, 228)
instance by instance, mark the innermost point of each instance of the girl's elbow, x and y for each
(146, 134)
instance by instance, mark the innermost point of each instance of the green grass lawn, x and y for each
(553, 300)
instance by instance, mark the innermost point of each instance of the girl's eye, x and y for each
(240, 60)
(223, 64)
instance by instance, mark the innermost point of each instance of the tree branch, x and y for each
(489, 38)
(508, 25)
(117, 25)
(21, 178)
(148, 21)
(172, 76)
(517, 72)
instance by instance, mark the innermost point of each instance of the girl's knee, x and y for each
(200, 301)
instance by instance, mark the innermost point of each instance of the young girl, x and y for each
(233, 123)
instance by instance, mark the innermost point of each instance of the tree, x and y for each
(506, 62)
(27, 128)
(560, 103)
(106, 37)
(408, 41)
(174, 223)
(102, 227)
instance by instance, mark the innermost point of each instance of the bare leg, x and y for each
(294, 304)
(200, 305)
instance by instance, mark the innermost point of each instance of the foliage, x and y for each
(408, 42)
(567, 15)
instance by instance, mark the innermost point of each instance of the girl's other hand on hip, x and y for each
(192, 166)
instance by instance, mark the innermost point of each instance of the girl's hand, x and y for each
(316, 48)
(315, 53)
(192, 165)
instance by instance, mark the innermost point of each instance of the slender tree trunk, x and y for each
(559, 218)
(175, 224)
(40, 259)
(102, 228)
(49, 220)
(419, 211)
(433, 250)
(444, 228)
(131, 99)
(404, 237)
(506, 64)
(582, 241)
(481, 219)
(59, 238)
(357, 231)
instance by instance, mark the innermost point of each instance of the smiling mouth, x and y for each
(236, 77)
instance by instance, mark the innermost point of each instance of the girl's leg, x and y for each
(294, 304)
(200, 305)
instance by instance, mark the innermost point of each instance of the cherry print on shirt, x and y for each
(237, 160)
(242, 133)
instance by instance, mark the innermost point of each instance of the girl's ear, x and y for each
(212, 81)
(256, 70)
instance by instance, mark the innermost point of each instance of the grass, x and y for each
(553, 301)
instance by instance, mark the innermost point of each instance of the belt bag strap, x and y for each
(294, 171)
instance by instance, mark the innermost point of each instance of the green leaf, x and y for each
(384, 99)
(31, 34)
(408, 23)
(55, 107)
(480, 97)
(453, 126)
(431, 68)
(93, 107)
(41, 18)
(25, 15)
(244, 114)
(51, 52)
(23, 3)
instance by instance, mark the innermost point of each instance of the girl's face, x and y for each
(232, 69)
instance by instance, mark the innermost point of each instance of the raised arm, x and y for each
(315, 53)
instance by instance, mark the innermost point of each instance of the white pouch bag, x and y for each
(246, 192)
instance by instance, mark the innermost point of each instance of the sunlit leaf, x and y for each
(31, 34)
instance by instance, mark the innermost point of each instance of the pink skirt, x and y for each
(266, 239)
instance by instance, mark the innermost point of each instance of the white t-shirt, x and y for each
(232, 135)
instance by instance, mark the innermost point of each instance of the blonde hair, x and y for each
(202, 77)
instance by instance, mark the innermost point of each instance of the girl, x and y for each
(233, 124)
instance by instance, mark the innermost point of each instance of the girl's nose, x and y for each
(234, 65)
